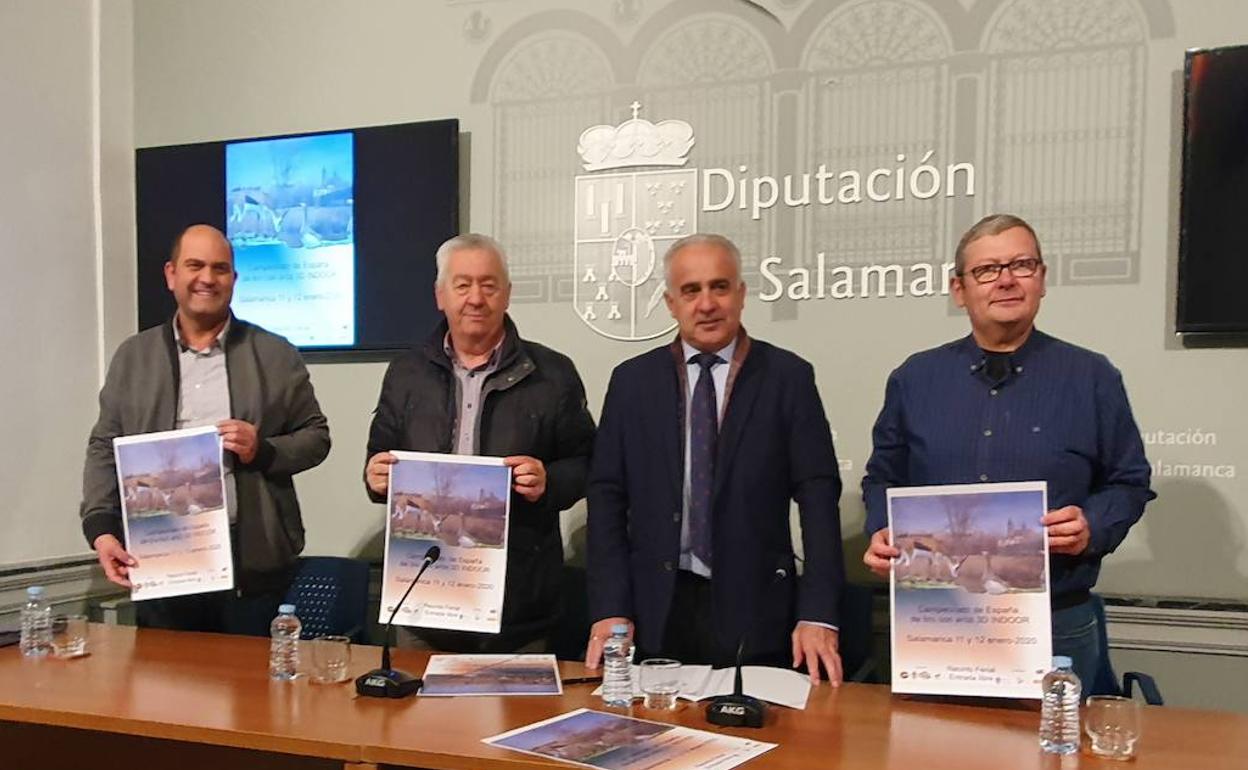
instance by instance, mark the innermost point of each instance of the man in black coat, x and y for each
(475, 387)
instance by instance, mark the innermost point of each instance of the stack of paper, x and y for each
(783, 687)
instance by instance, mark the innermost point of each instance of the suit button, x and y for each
(676, 517)
(667, 566)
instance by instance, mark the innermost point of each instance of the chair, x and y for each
(330, 594)
(1106, 680)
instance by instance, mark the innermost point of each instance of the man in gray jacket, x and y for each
(206, 367)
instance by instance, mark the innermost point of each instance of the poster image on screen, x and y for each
(334, 232)
(290, 214)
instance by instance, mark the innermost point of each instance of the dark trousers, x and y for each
(1076, 635)
(247, 612)
(690, 637)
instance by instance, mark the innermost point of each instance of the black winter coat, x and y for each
(532, 404)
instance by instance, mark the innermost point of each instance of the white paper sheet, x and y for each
(784, 687)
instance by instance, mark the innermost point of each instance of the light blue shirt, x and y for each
(204, 398)
(469, 388)
(719, 373)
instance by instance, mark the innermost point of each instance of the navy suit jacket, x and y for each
(774, 446)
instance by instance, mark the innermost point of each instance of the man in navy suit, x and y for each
(702, 445)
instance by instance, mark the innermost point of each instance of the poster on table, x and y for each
(536, 674)
(617, 742)
(173, 511)
(460, 504)
(970, 590)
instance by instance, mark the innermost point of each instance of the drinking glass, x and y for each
(331, 657)
(1113, 725)
(660, 682)
(69, 636)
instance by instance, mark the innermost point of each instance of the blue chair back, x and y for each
(330, 594)
(1107, 682)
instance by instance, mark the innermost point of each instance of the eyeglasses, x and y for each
(1023, 267)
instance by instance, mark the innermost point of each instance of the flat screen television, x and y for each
(1213, 249)
(334, 232)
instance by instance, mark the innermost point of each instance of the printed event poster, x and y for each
(492, 675)
(970, 591)
(173, 510)
(599, 739)
(461, 504)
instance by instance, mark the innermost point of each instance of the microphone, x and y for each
(739, 709)
(387, 682)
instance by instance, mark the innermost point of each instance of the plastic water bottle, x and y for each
(36, 634)
(617, 668)
(284, 643)
(1059, 709)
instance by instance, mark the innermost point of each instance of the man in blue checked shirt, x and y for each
(1010, 403)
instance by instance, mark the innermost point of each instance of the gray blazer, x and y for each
(269, 388)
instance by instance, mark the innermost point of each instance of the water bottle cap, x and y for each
(34, 591)
(620, 629)
(286, 609)
(1062, 661)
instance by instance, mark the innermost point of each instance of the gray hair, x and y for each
(469, 241)
(993, 224)
(700, 239)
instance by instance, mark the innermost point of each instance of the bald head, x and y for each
(202, 236)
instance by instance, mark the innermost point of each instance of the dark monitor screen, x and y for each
(1213, 249)
(333, 232)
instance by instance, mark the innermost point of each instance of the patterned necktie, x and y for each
(703, 438)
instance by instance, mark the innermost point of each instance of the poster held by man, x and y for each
(970, 589)
(462, 504)
(173, 512)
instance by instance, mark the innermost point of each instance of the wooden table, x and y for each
(149, 700)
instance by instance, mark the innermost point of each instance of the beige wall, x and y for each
(55, 137)
(228, 69)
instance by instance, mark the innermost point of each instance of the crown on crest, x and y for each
(635, 142)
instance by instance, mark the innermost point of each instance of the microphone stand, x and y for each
(739, 709)
(387, 682)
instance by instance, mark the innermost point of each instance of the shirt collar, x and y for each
(449, 348)
(725, 352)
(219, 341)
(974, 355)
